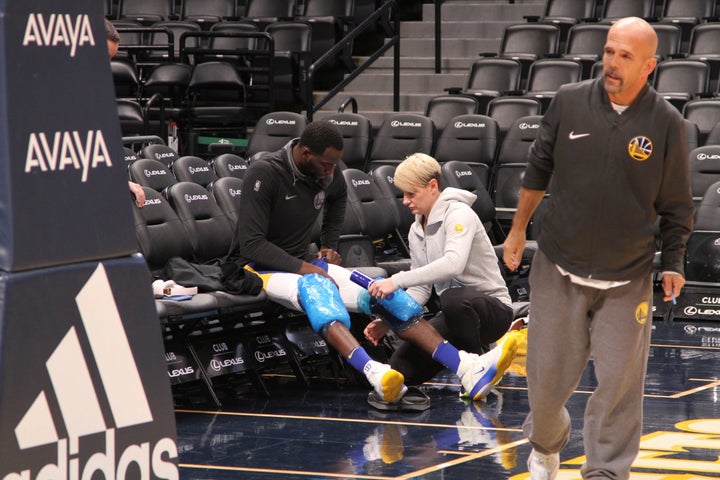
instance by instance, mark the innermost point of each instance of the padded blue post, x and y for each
(63, 183)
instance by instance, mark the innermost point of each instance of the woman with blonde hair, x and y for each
(451, 257)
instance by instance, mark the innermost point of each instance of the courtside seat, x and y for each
(704, 170)
(209, 229)
(193, 169)
(367, 203)
(460, 175)
(151, 173)
(471, 139)
(159, 152)
(703, 249)
(210, 235)
(229, 165)
(161, 236)
(400, 135)
(273, 130)
(227, 193)
(384, 178)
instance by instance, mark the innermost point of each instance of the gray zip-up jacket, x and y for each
(612, 175)
(453, 250)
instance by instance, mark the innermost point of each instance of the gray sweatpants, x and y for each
(570, 323)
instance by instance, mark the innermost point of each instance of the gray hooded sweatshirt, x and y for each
(453, 250)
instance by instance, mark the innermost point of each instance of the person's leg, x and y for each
(413, 362)
(474, 320)
(620, 342)
(320, 300)
(557, 352)
(478, 374)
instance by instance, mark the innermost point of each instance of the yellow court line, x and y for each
(347, 420)
(713, 384)
(463, 458)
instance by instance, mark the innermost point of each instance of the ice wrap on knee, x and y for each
(321, 301)
(400, 310)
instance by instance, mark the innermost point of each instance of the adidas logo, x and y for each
(78, 401)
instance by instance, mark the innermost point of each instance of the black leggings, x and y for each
(469, 320)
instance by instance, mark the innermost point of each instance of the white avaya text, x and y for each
(59, 29)
(67, 149)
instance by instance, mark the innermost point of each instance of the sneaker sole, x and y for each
(506, 357)
(392, 385)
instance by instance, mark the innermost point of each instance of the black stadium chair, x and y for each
(703, 112)
(565, 14)
(330, 20)
(459, 175)
(384, 178)
(262, 12)
(193, 169)
(472, 139)
(400, 135)
(713, 137)
(229, 165)
(368, 224)
(356, 130)
(161, 153)
(692, 133)
(150, 173)
(146, 12)
(703, 248)
(273, 130)
(679, 81)
(505, 110)
(616, 9)
(132, 117)
(227, 193)
(687, 13)
(209, 229)
(159, 231)
(291, 60)
(489, 78)
(443, 108)
(208, 12)
(546, 76)
(510, 166)
(585, 44)
(669, 40)
(704, 169)
(527, 42)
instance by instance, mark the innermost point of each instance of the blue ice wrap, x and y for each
(321, 301)
(402, 306)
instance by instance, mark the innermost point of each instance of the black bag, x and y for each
(226, 277)
(207, 278)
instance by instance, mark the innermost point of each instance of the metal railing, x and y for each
(346, 42)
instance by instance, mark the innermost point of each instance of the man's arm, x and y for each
(334, 213)
(515, 242)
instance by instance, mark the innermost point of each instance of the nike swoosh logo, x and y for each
(575, 136)
(288, 197)
(480, 371)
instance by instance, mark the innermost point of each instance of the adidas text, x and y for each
(112, 466)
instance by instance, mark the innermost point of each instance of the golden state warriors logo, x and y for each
(458, 227)
(641, 313)
(640, 148)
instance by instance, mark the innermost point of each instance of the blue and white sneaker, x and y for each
(480, 373)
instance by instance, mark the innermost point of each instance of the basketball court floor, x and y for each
(328, 431)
